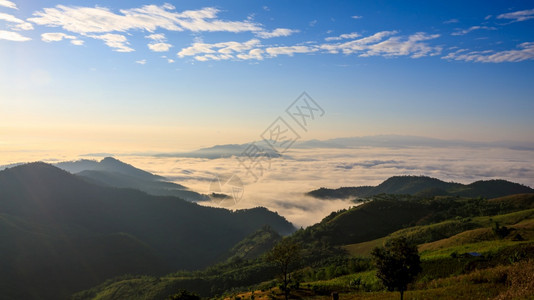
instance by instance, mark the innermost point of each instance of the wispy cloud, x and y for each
(59, 36)
(20, 24)
(412, 46)
(278, 32)
(518, 16)
(141, 62)
(525, 52)
(343, 37)
(374, 45)
(86, 20)
(118, 42)
(357, 17)
(13, 36)
(8, 4)
(451, 21)
(221, 51)
(158, 37)
(275, 51)
(472, 28)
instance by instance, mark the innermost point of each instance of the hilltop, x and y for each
(425, 186)
(115, 173)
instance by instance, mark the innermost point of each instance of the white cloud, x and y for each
(159, 47)
(118, 42)
(55, 37)
(220, 51)
(252, 54)
(357, 17)
(397, 46)
(525, 52)
(451, 21)
(8, 4)
(21, 24)
(466, 31)
(141, 62)
(159, 37)
(356, 45)
(518, 16)
(77, 42)
(275, 51)
(170, 60)
(488, 17)
(275, 33)
(375, 45)
(343, 37)
(13, 36)
(86, 20)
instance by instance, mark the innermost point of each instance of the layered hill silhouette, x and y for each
(425, 186)
(113, 172)
(61, 233)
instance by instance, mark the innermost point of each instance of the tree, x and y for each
(285, 255)
(398, 263)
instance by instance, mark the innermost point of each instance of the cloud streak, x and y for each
(13, 36)
(275, 33)
(524, 52)
(118, 42)
(518, 16)
(84, 20)
(472, 28)
(20, 24)
(374, 45)
(8, 4)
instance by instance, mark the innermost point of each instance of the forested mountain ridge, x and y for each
(425, 186)
(61, 233)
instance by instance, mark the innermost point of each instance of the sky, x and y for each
(155, 76)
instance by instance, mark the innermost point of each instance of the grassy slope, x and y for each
(493, 275)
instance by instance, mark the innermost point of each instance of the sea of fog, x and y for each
(284, 181)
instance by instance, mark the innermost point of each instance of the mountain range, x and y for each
(385, 141)
(62, 233)
(115, 173)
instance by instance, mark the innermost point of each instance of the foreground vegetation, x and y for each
(470, 248)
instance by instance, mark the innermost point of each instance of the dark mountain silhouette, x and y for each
(61, 233)
(108, 164)
(426, 186)
(115, 173)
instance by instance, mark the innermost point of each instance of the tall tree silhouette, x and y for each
(398, 263)
(285, 255)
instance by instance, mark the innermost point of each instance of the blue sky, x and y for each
(156, 75)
